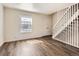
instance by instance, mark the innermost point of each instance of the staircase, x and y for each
(67, 28)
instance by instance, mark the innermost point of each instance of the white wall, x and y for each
(1, 25)
(41, 25)
(56, 17)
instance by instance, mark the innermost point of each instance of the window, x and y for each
(26, 24)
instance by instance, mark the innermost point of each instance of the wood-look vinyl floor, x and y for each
(43, 46)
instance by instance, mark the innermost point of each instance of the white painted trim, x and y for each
(1, 43)
(71, 19)
(65, 42)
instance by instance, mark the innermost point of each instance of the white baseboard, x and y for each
(1, 43)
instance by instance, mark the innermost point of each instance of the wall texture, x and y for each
(1, 25)
(41, 25)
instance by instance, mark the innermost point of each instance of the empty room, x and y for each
(39, 29)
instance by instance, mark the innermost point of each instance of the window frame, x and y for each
(23, 22)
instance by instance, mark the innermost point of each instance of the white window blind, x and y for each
(26, 24)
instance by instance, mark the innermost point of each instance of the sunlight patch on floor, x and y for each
(34, 41)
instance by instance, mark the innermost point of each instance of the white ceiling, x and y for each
(44, 8)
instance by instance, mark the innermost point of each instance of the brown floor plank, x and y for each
(43, 46)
